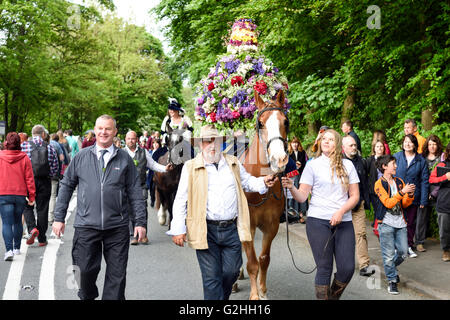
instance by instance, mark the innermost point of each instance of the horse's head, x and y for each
(179, 151)
(273, 126)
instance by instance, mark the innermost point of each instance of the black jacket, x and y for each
(301, 157)
(101, 204)
(360, 167)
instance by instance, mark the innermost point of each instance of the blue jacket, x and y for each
(417, 173)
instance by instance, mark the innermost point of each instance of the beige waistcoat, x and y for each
(197, 199)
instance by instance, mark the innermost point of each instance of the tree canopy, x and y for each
(374, 65)
(63, 65)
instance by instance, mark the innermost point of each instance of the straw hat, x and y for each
(207, 132)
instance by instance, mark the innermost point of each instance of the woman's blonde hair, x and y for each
(336, 163)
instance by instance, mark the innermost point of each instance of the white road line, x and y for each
(12, 287)
(47, 277)
(46, 281)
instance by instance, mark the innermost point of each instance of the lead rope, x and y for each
(287, 234)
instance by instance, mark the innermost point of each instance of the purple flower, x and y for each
(258, 67)
(277, 86)
(225, 101)
(232, 66)
(200, 111)
(276, 70)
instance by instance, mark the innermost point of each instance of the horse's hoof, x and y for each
(235, 288)
(263, 296)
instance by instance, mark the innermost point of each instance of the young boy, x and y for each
(393, 197)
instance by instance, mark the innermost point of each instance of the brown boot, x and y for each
(446, 255)
(322, 292)
(337, 288)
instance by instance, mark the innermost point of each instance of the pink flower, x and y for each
(235, 114)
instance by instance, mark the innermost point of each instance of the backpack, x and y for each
(39, 160)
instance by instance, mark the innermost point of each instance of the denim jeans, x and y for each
(11, 209)
(394, 248)
(220, 263)
(341, 246)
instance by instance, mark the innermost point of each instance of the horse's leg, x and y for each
(252, 266)
(264, 259)
(161, 211)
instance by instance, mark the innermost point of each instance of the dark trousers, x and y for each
(341, 246)
(221, 262)
(43, 193)
(88, 246)
(411, 215)
(422, 223)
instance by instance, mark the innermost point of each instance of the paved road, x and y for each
(162, 271)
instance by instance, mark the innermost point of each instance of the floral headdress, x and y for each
(226, 96)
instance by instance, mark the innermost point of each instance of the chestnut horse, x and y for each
(266, 155)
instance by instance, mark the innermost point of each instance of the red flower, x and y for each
(212, 116)
(261, 87)
(238, 80)
(235, 114)
(211, 86)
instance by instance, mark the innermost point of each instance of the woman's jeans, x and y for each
(394, 248)
(341, 246)
(11, 209)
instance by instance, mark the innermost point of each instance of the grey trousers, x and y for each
(422, 222)
(444, 230)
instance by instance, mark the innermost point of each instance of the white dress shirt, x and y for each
(151, 164)
(222, 198)
(107, 155)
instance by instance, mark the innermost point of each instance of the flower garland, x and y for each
(226, 96)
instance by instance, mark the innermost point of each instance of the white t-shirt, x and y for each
(390, 219)
(327, 196)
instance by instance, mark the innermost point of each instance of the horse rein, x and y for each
(287, 239)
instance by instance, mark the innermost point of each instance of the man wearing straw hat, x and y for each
(210, 212)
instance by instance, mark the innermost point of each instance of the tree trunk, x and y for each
(6, 112)
(427, 115)
(349, 103)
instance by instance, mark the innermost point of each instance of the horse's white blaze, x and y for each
(277, 151)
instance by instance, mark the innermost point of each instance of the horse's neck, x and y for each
(255, 161)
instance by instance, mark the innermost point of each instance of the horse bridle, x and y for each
(259, 125)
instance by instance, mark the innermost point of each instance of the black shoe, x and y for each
(398, 279)
(365, 272)
(392, 288)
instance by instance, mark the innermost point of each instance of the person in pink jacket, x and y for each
(16, 189)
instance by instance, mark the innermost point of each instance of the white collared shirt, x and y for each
(151, 164)
(327, 195)
(222, 198)
(107, 155)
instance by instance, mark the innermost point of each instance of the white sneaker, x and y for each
(9, 255)
(16, 252)
(411, 253)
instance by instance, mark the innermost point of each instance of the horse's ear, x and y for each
(258, 101)
(280, 98)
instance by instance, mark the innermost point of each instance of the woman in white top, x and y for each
(333, 184)
(176, 119)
